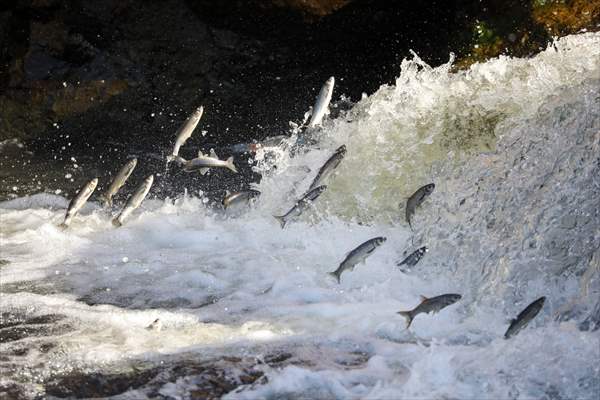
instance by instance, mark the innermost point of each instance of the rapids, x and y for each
(513, 146)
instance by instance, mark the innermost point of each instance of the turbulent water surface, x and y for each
(247, 310)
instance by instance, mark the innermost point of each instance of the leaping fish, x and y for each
(416, 199)
(524, 317)
(185, 132)
(427, 305)
(78, 201)
(134, 201)
(238, 198)
(330, 165)
(413, 258)
(357, 256)
(322, 104)
(119, 181)
(204, 162)
(300, 206)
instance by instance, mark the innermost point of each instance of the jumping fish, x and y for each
(330, 165)
(134, 201)
(322, 103)
(78, 201)
(529, 313)
(119, 181)
(185, 132)
(300, 206)
(414, 257)
(416, 199)
(358, 255)
(434, 304)
(204, 162)
(243, 197)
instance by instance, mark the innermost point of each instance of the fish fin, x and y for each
(116, 223)
(203, 171)
(423, 298)
(408, 316)
(230, 164)
(63, 226)
(212, 153)
(201, 154)
(281, 220)
(335, 275)
(227, 192)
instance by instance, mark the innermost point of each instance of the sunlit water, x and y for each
(513, 146)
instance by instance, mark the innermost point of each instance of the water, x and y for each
(513, 146)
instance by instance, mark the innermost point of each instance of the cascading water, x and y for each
(513, 146)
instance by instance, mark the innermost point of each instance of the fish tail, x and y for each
(176, 158)
(116, 223)
(230, 164)
(281, 220)
(336, 275)
(408, 316)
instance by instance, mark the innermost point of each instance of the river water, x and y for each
(513, 146)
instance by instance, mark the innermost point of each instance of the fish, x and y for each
(300, 206)
(416, 199)
(330, 165)
(78, 201)
(414, 257)
(521, 321)
(134, 201)
(119, 181)
(322, 103)
(243, 197)
(156, 325)
(185, 132)
(204, 162)
(427, 305)
(358, 255)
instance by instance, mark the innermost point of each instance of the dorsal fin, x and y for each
(200, 153)
(423, 298)
(213, 154)
(227, 192)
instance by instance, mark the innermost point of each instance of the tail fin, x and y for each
(106, 200)
(116, 223)
(230, 164)
(335, 275)
(408, 316)
(281, 220)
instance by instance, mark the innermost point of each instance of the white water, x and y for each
(517, 139)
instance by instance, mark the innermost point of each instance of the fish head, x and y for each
(380, 240)
(319, 189)
(423, 250)
(453, 298)
(330, 81)
(341, 150)
(149, 180)
(94, 182)
(429, 188)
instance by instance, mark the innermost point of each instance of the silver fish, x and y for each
(300, 206)
(322, 103)
(330, 165)
(416, 199)
(529, 313)
(243, 197)
(185, 132)
(134, 201)
(79, 200)
(358, 255)
(203, 163)
(414, 257)
(434, 304)
(119, 181)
